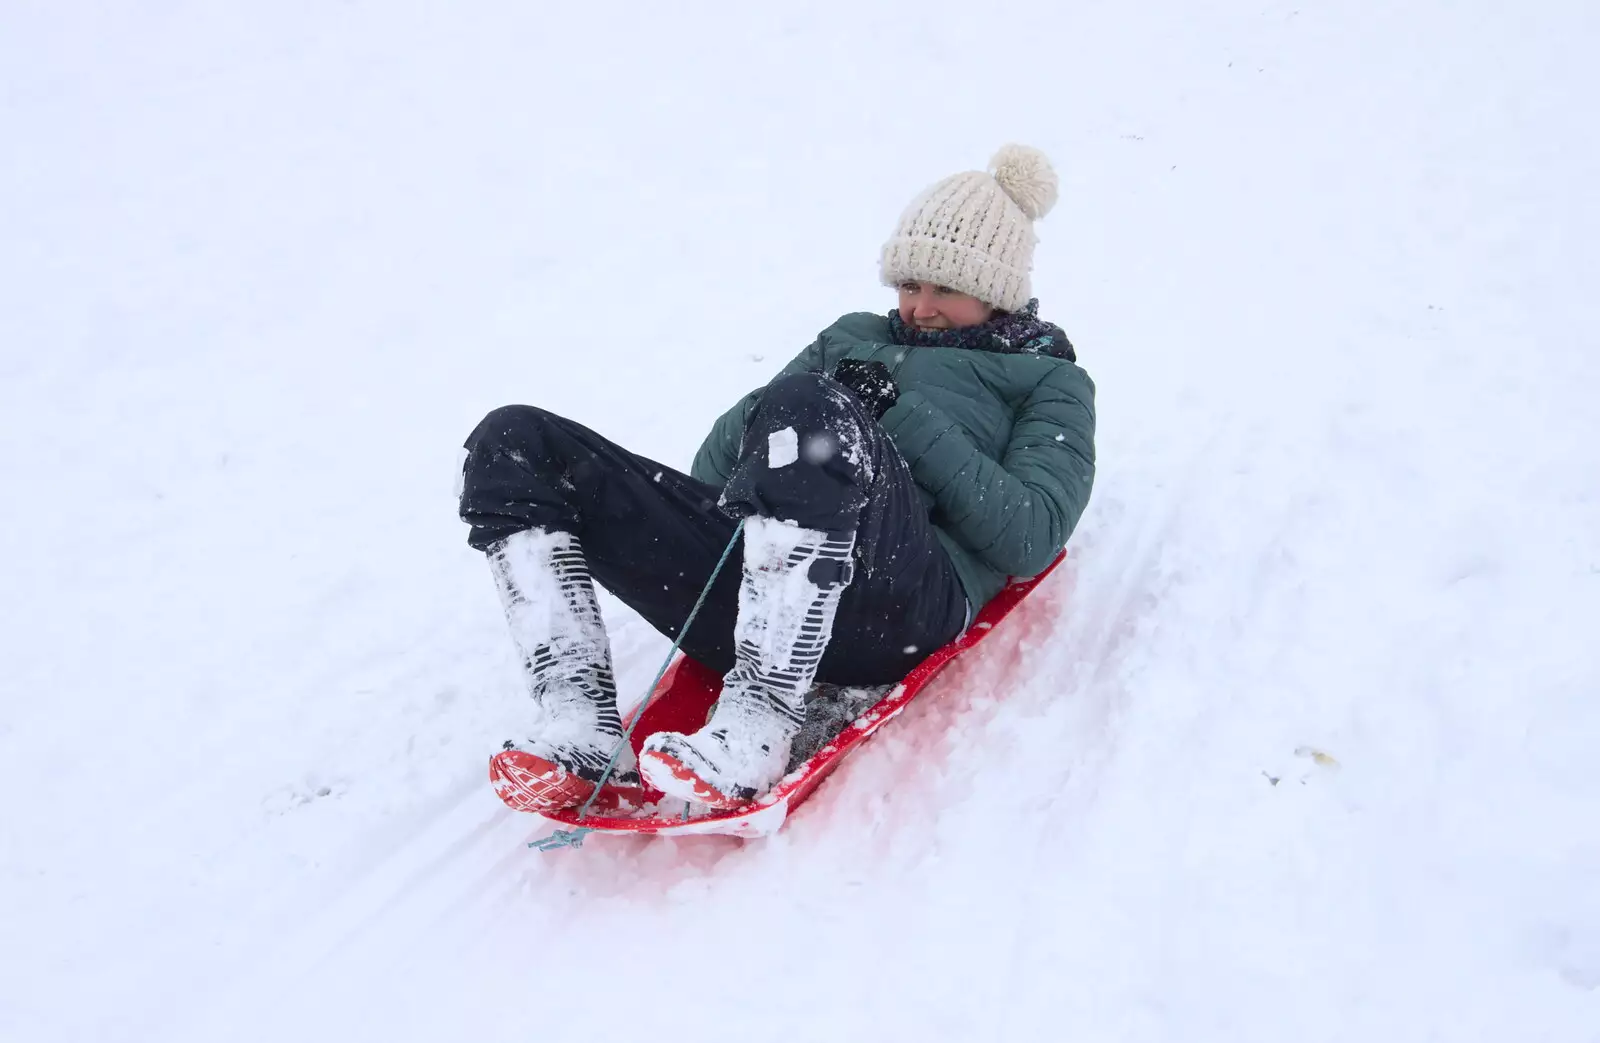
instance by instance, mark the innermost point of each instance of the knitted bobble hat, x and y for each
(973, 231)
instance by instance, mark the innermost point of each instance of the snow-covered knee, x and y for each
(798, 390)
(510, 422)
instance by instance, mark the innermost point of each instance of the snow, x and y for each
(783, 448)
(264, 266)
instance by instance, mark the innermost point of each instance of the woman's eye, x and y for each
(943, 291)
(909, 287)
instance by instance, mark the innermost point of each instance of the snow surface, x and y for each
(262, 267)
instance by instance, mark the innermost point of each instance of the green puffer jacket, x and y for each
(1001, 445)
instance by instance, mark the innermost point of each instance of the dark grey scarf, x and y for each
(1007, 332)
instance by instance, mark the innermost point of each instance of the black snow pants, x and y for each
(811, 454)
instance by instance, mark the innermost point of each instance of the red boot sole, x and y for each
(526, 782)
(529, 783)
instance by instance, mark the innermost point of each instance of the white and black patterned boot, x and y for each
(793, 579)
(555, 621)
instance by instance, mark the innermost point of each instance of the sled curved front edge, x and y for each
(686, 694)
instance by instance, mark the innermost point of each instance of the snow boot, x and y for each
(555, 621)
(793, 579)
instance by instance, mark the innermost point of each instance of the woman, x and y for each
(888, 480)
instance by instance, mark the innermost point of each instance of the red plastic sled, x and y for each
(685, 696)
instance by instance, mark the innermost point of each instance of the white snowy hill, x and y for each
(1301, 746)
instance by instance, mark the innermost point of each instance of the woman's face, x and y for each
(930, 307)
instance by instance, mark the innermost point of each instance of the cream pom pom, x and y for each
(1027, 177)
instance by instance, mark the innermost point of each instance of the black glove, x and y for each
(870, 382)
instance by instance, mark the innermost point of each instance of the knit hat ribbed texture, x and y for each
(973, 231)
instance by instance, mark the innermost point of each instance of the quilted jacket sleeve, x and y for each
(720, 450)
(1017, 512)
